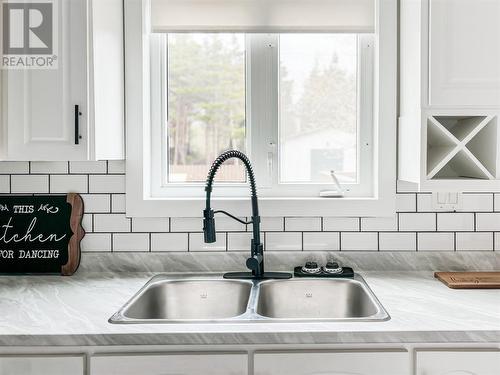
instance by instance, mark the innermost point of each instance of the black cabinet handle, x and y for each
(77, 124)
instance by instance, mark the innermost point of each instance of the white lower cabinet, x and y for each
(332, 363)
(458, 363)
(170, 364)
(42, 365)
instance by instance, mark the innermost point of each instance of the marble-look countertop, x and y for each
(52, 310)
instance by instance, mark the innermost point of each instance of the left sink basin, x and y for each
(186, 300)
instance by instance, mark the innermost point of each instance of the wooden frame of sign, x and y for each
(40, 234)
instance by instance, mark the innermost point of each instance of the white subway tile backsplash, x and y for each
(29, 184)
(14, 167)
(240, 241)
(389, 241)
(436, 241)
(130, 242)
(169, 242)
(482, 241)
(271, 224)
(488, 222)
(116, 166)
(68, 184)
(186, 224)
(341, 224)
(302, 224)
(87, 221)
(477, 202)
(415, 222)
(107, 184)
(196, 243)
(87, 167)
(46, 167)
(96, 203)
(424, 203)
(150, 224)
(111, 223)
(379, 224)
(455, 222)
(118, 203)
(286, 241)
(195, 224)
(364, 241)
(102, 185)
(96, 242)
(226, 224)
(406, 202)
(4, 184)
(316, 241)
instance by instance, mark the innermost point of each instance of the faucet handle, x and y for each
(254, 264)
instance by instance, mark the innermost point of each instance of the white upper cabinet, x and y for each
(450, 94)
(332, 363)
(458, 363)
(60, 113)
(40, 103)
(464, 58)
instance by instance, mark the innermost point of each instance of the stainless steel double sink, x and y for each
(213, 299)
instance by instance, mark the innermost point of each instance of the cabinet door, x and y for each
(332, 363)
(464, 52)
(458, 363)
(42, 365)
(40, 103)
(170, 364)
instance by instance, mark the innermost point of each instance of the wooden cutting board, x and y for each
(470, 280)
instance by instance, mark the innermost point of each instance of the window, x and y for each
(273, 118)
(300, 105)
(205, 106)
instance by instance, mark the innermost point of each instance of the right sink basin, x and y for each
(318, 299)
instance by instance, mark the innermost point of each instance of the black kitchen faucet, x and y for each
(256, 261)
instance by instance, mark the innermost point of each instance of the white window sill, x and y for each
(193, 207)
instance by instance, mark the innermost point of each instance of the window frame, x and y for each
(141, 201)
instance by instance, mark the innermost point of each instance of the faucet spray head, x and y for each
(209, 226)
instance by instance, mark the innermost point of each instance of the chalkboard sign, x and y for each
(40, 234)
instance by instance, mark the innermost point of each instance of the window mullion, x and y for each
(263, 106)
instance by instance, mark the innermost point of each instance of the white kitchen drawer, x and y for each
(42, 365)
(458, 362)
(170, 364)
(332, 363)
